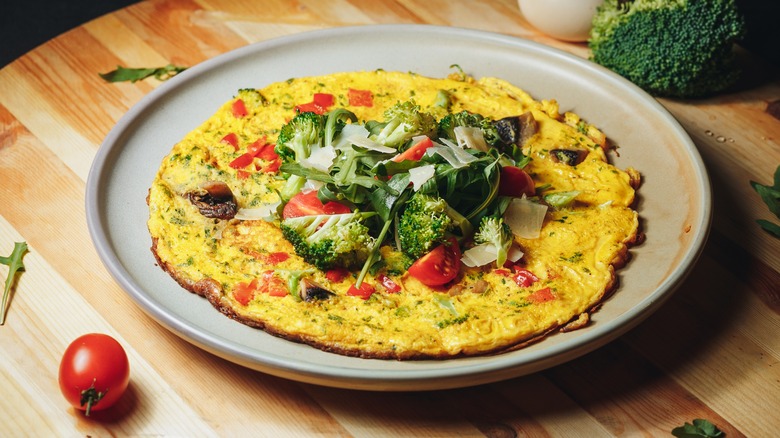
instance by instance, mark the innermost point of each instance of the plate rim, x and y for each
(484, 371)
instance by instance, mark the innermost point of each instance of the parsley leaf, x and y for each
(699, 429)
(15, 264)
(124, 74)
(771, 197)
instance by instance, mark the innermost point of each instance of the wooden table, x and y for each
(712, 351)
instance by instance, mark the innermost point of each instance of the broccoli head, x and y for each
(298, 137)
(673, 48)
(448, 123)
(329, 241)
(492, 230)
(403, 121)
(426, 221)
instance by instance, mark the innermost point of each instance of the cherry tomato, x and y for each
(415, 152)
(364, 291)
(515, 182)
(94, 372)
(439, 266)
(307, 203)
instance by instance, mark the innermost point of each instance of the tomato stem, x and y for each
(91, 397)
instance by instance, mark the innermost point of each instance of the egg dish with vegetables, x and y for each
(389, 215)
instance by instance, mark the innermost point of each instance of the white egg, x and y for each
(568, 20)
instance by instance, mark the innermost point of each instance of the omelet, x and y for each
(215, 224)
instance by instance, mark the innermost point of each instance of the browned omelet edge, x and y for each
(211, 290)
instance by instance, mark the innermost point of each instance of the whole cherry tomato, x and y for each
(515, 182)
(94, 372)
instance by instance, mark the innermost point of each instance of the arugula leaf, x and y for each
(771, 197)
(699, 429)
(15, 264)
(124, 74)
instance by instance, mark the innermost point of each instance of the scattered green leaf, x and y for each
(771, 197)
(15, 264)
(699, 429)
(124, 74)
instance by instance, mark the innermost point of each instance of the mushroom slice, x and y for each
(517, 129)
(572, 157)
(310, 291)
(214, 200)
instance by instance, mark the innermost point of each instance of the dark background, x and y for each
(26, 24)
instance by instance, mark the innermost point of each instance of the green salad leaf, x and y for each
(125, 74)
(771, 197)
(699, 429)
(15, 264)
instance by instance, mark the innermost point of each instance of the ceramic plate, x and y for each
(649, 140)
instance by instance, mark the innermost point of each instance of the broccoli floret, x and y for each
(329, 241)
(296, 140)
(426, 221)
(403, 121)
(299, 135)
(674, 48)
(448, 123)
(492, 230)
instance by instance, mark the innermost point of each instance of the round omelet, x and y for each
(563, 275)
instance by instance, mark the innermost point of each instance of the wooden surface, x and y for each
(710, 352)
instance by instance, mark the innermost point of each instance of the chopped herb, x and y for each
(124, 74)
(574, 258)
(15, 264)
(699, 429)
(771, 197)
(402, 312)
(336, 318)
(449, 322)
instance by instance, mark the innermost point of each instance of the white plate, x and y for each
(674, 201)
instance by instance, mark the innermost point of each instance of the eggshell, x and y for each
(567, 20)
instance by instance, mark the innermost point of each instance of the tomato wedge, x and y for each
(307, 204)
(438, 267)
(415, 152)
(515, 182)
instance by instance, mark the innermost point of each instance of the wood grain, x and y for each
(711, 351)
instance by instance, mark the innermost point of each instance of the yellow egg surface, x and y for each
(483, 310)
